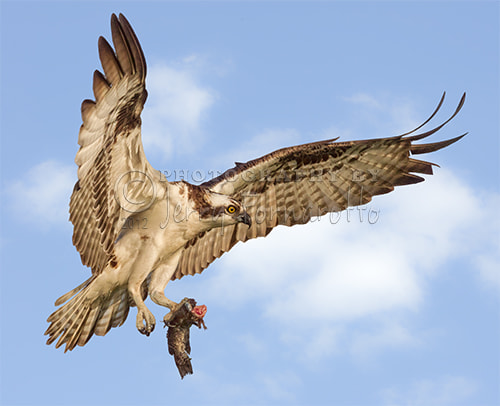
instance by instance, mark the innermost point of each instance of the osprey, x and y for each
(136, 231)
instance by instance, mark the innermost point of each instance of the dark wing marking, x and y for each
(291, 185)
(111, 152)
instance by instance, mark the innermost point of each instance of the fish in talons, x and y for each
(179, 322)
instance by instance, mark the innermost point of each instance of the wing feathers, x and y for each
(123, 53)
(100, 86)
(110, 146)
(407, 179)
(87, 110)
(430, 132)
(291, 185)
(414, 165)
(435, 146)
(110, 64)
(139, 66)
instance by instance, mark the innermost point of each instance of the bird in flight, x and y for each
(137, 231)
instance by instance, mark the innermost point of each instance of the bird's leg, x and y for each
(145, 321)
(159, 280)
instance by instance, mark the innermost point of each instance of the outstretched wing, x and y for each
(114, 176)
(291, 185)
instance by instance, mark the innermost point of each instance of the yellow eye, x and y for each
(231, 209)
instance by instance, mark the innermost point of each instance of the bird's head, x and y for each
(214, 209)
(224, 210)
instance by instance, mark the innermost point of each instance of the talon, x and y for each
(145, 322)
(168, 317)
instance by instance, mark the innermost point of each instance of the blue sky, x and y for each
(401, 312)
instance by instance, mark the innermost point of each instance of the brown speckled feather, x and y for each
(291, 185)
(110, 146)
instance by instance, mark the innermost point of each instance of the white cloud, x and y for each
(176, 106)
(42, 195)
(446, 390)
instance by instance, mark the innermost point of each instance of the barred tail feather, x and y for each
(75, 322)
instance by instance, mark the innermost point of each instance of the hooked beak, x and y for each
(245, 219)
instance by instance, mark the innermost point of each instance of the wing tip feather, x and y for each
(434, 146)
